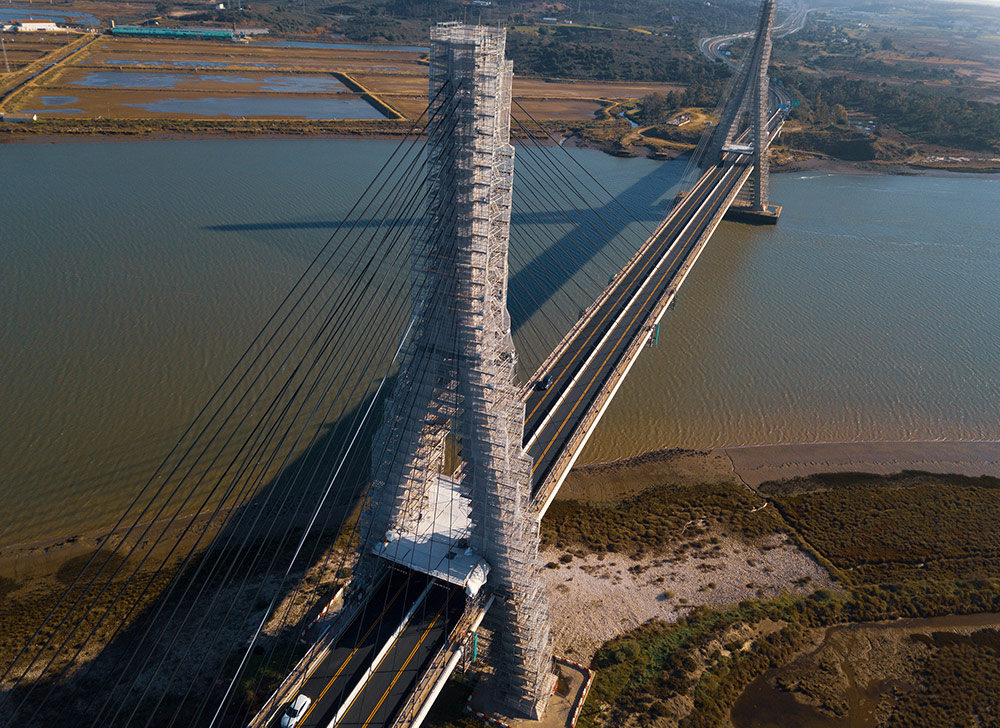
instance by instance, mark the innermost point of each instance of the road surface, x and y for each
(583, 368)
(344, 666)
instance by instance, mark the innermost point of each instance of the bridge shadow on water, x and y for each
(224, 593)
(557, 264)
(584, 234)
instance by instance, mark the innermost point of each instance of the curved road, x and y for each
(713, 48)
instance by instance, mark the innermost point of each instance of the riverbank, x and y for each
(138, 582)
(743, 563)
(755, 464)
(910, 545)
(832, 165)
(614, 480)
(128, 130)
(720, 533)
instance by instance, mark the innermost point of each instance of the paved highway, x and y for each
(332, 685)
(714, 47)
(553, 416)
(350, 657)
(396, 675)
(580, 373)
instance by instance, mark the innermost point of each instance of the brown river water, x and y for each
(133, 275)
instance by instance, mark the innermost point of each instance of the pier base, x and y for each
(768, 216)
(569, 685)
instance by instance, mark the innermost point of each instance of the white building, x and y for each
(35, 26)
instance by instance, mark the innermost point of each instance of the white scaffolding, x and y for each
(455, 412)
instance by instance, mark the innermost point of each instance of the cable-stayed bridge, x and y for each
(395, 683)
(463, 460)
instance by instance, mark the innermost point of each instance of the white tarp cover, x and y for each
(436, 544)
(477, 578)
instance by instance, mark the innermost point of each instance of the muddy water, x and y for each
(764, 705)
(197, 81)
(264, 106)
(183, 64)
(133, 274)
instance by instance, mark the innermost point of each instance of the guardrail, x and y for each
(438, 671)
(574, 444)
(307, 664)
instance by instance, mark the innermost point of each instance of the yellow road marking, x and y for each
(603, 319)
(399, 673)
(351, 656)
(580, 349)
(666, 272)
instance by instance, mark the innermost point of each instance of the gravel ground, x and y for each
(600, 596)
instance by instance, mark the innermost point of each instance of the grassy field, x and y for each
(908, 527)
(655, 519)
(912, 545)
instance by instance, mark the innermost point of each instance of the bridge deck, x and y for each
(375, 662)
(590, 356)
(397, 673)
(586, 369)
(350, 656)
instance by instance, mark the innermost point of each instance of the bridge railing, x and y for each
(290, 685)
(575, 443)
(474, 613)
(316, 653)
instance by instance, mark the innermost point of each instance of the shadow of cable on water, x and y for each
(173, 659)
(642, 201)
(580, 235)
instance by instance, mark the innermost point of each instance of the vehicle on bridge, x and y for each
(544, 383)
(291, 716)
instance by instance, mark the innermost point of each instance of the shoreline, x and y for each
(826, 165)
(752, 465)
(612, 480)
(756, 464)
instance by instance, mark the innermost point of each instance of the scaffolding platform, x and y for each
(737, 148)
(438, 544)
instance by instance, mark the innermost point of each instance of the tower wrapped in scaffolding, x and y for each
(451, 439)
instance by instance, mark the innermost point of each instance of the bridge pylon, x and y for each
(450, 481)
(749, 97)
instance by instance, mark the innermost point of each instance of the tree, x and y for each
(839, 114)
(821, 112)
(655, 107)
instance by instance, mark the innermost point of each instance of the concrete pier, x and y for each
(768, 216)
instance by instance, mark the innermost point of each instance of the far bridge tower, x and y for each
(749, 97)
